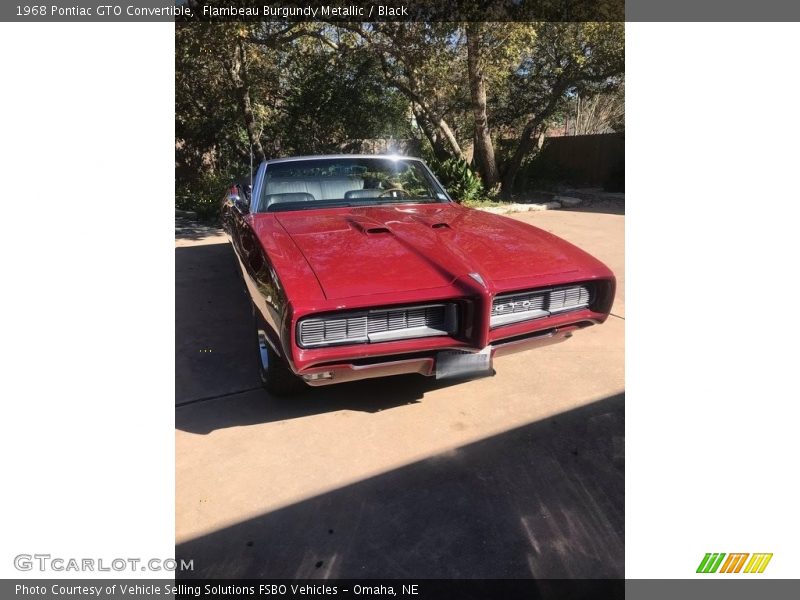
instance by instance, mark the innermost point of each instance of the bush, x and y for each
(203, 196)
(458, 178)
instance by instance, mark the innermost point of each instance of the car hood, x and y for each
(381, 249)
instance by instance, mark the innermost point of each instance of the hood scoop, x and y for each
(432, 221)
(368, 227)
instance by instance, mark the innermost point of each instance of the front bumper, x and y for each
(425, 363)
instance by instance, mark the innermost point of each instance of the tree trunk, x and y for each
(450, 137)
(484, 150)
(523, 147)
(437, 127)
(250, 124)
(237, 71)
(439, 151)
(526, 139)
(444, 134)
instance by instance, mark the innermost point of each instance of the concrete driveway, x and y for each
(518, 475)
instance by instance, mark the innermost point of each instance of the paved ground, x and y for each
(518, 475)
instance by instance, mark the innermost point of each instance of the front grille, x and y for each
(524, 306)
(380, 325)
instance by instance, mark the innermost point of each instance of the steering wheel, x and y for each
(392, 190)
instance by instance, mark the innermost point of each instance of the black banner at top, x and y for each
(402, 10)
(399, 10)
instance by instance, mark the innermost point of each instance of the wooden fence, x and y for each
(590, 160)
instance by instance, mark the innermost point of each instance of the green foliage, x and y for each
(458, 178)
(209, 130)
(308, 88)
(203, 196)
(485, 203)
(334, 98)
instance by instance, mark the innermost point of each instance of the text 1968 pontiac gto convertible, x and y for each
(363, 266)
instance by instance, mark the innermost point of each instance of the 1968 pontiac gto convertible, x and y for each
(363, 266)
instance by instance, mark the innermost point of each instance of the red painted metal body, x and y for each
(304, 262)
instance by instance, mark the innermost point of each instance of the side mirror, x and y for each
(236, 198)
(242, 204)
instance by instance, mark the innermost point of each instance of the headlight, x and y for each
(380, 325)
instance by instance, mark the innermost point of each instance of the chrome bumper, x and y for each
(426, 365)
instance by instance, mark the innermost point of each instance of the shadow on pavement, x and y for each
(188, 229)
(610, 207)
(216, 362)
(545, 500)
(256, 406)
(214, 333)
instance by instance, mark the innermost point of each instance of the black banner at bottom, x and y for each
(408, 589)
(340, 589)
(422, 589)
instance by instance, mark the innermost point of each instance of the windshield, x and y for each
(331, 182)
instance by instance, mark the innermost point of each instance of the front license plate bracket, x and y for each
(452, 364)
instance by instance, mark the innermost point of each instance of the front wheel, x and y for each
(276, 376)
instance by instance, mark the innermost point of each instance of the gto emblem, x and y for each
(512, 306)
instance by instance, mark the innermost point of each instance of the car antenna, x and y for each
(251, 169)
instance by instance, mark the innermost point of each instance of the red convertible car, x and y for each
(363, 266)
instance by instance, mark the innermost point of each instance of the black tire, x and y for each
(276, 376)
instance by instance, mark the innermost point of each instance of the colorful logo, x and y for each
(734, 562)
